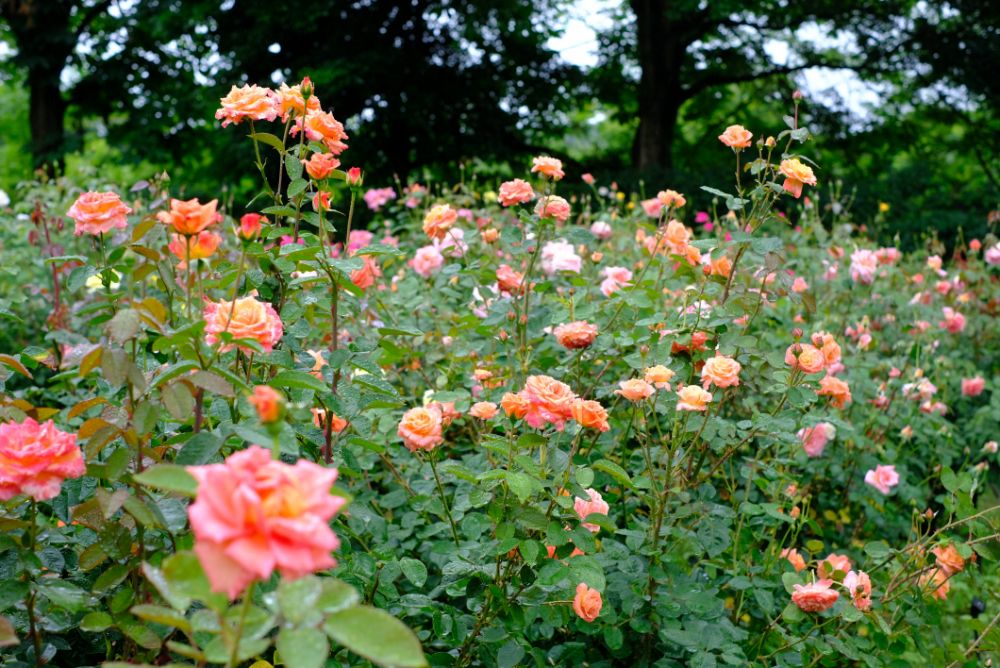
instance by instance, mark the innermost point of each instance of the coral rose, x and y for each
(321, 165)
(549, 167)
(832, 563)
(515, 192)
(268, 402)
(794, 558)
(550, 402)
(859, 586)
(973, 387)
(250, 102)
(509, 280)
(515, 405)
(197, 247)
(321, 126)
(246, 318)
(484, 410)
(250, 226)
(98, 213)
(796, 175)
(883, 478)
(635, 389)
(693, 398)
(720, 371)
(736, 137)
(575, 335)
(935, 583)
(190, 217)
(806, 357)
(590, 414)
(554, 207)
(838, 391)
(948, 559)
(420, 428)
(365, 277)
(253, 515)
(815, 597)
(587, 603)
(35, 459)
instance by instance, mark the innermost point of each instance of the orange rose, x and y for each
(514, 405)
(338, 424)
(590, 414)
(838, 391)
(794, 558)
(575, 335)
(736, 137)
(197, 247)
(550, 167)
(321, 165)
(509, 280)
(484, 410)
(935, 582)
(323, 127)
(439, 220)
(677, 235)
(948, 559)
(806, 357)
(659, 375)
(420, 428)
(268, 403)
(587, 603)
(796, 175)
(671, 198)
(635, 389)
(190, 217)
(245, 318)
(720, 371)
(249, 102)
(721, 266)
(291, 100)
(98, 213)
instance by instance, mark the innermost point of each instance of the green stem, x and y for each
(36, 637)
(244, 609)
(444, 499)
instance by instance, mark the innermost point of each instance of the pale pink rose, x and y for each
(253, 515)
(98, 213)
(990, 447)
(882, 478)
(864, 264)
(587, 178)
(615, 278)
(973, 387)
(554, 207)
(815, 597)
(453, 243)
(935, 262)
(833, 562)
(953, 321)
(515, 192)
(652, 207)
(376, 198)
(814, 439)
(601, 230)
(427, 261)
(799, 285)
(590, 506)
(35, 458)
(859, 586)
(560, 256)
(888, 255)
(992, 255)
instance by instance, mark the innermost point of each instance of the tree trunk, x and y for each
(661, 53)
(46, 111)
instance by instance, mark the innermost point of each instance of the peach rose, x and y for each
(935, 582)
(720, 371)
(838, 391)
(268, 402)
(291, 100)
(515, 192)
(659, 376)
(677, 236)
(35, 458)
(721, 266)
(806, 357)
(575, 335)
(198, 247)
(948, 559)
(248, 102)
(509, 280)
(365, 277)
(190, 217)
(515, 405)
(826, 343)
(98, 213)
(420, 428)
(671, 198)
(438, 220)
(796, 175)
(253, 515)
(587, 603)
(635, 389)
(736, 137)
(550, 402)
(321, 126)
(554, 207)
(590, 414)
(321, 165)
(883, 478)
(794, 558)
(832, 563)
(859, 586)
(693, 398)
(337, 423)
(593, 505)
(549, 167)
(484, 410)
(815, 597)
(246, 318)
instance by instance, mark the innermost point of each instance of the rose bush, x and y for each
(497, 429)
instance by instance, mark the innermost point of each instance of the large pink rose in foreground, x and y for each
(35, 459)
(254, 515)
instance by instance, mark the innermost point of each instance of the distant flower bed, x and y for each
(498, 428)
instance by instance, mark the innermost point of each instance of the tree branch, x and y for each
(90, 15)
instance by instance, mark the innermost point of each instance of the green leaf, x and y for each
(199, 449)
(414, 570)
(298, 379)
(293, 166)
(94, 622)
(269, 139)
(64, 594)
(303, 648)
(377, 636)
(162, 615)
(522, 484)
(297, 598)
(399, 330)
(337, 595)
(169, 477)
(380, 249)
(124, 326)
(613, 470)
(297, 187)
(211, 382)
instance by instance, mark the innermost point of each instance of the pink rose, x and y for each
(814, 439)
(35, 459)
(882, 478)
(515, 192)
(614, 279)
(560, 256)
(601, 230)
(98, 213)
(554, 207)
(973, 387)
(427, 261)
(593, 505)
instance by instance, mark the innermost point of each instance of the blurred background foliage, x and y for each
(434, 90)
